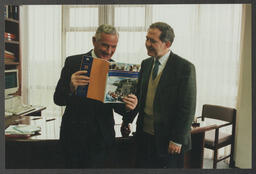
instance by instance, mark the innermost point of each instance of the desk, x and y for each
(43, 150)
(39, 151)
(11, 120)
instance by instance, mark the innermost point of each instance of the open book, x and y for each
(109, 81)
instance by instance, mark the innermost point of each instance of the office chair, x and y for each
(215, 139)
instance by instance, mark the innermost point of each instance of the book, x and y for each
(121, 81)
(9, 56)
(9, 36)
(10, 12)
(109, 81)
(15, 12)
(6, 11)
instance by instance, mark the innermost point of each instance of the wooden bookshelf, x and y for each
(12, 39)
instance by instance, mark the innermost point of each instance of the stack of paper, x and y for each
(21, 129)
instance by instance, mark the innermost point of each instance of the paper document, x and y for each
(22, 129)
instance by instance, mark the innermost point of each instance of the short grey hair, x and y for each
(107, 29)
(167, 33)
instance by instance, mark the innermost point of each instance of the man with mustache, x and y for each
(87, 128)
(166, 103)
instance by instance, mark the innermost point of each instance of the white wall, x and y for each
(243, 142)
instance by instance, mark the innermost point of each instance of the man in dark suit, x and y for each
(166, 103)
(87, 128)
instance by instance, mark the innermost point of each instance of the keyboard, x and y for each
(20, 109)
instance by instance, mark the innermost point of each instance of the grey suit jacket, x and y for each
(174, 103)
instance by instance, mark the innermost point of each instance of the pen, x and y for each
(15, 128)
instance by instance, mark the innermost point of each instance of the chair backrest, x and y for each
(219, 112)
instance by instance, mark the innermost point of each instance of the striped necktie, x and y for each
(155, 69)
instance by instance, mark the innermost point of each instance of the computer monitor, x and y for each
(11, 81)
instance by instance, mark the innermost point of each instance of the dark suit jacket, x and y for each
(84, 119)
(174, 103)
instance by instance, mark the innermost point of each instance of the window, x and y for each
(207, 35)
(81, 22)
(79, 32)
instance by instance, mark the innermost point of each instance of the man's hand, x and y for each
(78, 79)
(125, 130)
(130, 101)
(174, 148)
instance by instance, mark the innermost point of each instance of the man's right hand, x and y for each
(79, 79)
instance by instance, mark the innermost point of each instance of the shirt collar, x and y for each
(164, 58)
(93, 54)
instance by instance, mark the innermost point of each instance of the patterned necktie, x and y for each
(155, 69)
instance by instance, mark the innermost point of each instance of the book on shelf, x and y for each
(9, 56)
(9, 36)
(15, 12)
(6, 11)
(12, 12)
(109, 81)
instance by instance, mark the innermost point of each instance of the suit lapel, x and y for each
(168, 74)
(145, 79)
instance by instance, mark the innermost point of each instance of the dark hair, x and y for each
(167, 33)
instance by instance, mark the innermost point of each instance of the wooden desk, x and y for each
(39, 151)
(43, 150)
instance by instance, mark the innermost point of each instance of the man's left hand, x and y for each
(130, 101)
(174, 148)
(125, 129)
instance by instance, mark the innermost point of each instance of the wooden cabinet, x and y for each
(12, 53)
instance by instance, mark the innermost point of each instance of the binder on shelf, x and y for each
(16, 12)
(109, 81)
(6, 11)
(10, 11)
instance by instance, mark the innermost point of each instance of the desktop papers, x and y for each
(22, 129)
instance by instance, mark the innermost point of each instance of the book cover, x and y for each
(121, 81)
(109, 81)
(97, 70)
